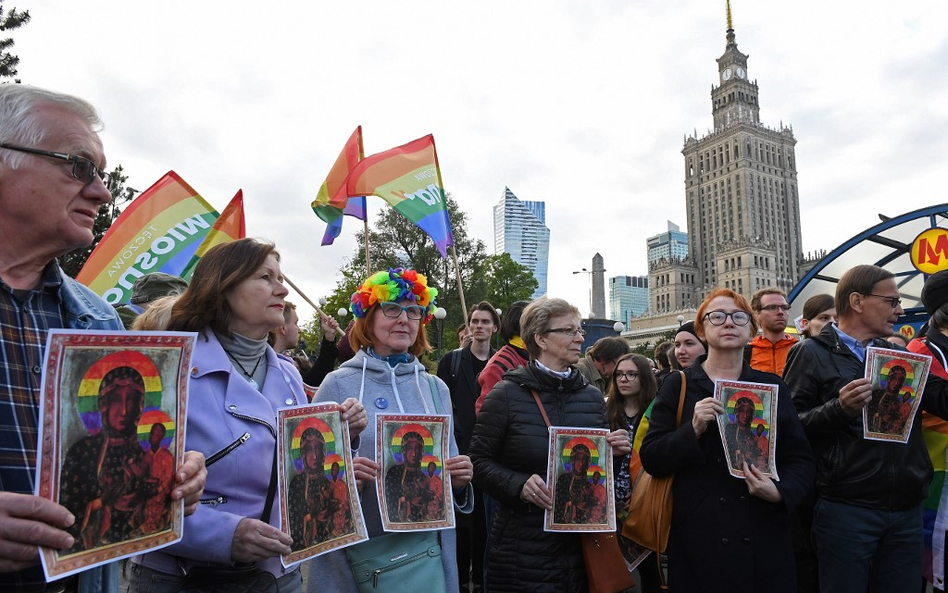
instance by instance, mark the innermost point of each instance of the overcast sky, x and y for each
(584, 105)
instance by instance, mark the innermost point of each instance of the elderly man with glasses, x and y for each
(867, 522)
(52, 184)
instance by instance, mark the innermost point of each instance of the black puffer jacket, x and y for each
(849, 468)
(510, 444)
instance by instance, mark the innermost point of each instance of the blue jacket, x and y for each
(222, 408)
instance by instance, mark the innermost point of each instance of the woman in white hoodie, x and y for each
(391, 310)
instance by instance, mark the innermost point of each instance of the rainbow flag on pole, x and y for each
(331, 201)
(408, 178)
(159, 232)
(229, 226)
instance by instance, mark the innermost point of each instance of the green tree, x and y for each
(394, 241)
(73, 261)
(507, 281)
(10, 20)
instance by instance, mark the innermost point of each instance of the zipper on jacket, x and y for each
(226, 450)
(213, 502)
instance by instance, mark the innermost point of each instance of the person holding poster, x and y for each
(717, 519)
(391, 310)
(510, 452)
(52, 183)
(236, 296)
(867, 521)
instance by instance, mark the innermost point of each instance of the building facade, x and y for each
(628, 297)
(741, 198)
(670, 245)
(520, 230)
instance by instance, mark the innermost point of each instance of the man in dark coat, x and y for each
(867, 523)
(459, 370)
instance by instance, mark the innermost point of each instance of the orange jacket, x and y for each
(769, 357)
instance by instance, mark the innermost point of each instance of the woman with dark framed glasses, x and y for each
(391, 312)
(719, 520)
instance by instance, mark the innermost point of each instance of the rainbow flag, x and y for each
(228, 227)
(408, 178)
(159, 232)
(331, 201)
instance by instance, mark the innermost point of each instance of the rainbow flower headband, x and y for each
(395, 285)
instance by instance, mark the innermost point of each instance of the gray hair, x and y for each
(21, 124)
(536, 317)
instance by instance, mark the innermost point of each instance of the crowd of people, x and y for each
(846, 513)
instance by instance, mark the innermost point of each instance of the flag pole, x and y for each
(311, 303)
(457, 273)
(368, 265)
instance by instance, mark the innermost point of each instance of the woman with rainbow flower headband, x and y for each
(391, 310)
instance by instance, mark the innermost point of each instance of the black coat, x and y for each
(456, 369)
(722, 538)
(510, 444)
(851, 469)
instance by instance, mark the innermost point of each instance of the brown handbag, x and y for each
(650, 507)
(606, 570)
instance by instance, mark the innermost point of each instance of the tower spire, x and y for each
(730, 25)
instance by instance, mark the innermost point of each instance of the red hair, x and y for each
(738, 299)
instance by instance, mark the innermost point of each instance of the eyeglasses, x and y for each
(719, 317)
(393, 310)
(771, 308)
(893, 301)
(567, 331)
(628, 376)
(82, 168)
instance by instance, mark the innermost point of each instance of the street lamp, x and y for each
(342, 312)
(681, 319)
(589, 274)
(440, 314)
(497, 332)
(619, 327)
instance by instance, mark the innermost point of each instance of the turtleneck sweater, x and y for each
(248, 355)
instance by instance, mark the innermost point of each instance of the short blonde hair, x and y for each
(536, 317)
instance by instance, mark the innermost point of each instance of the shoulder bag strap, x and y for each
(536, 398)
(681, 399)
(271, 492)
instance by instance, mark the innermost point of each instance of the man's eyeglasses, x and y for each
(893, 301)
(82, 168)
(719, 317)
(771, 308)
(393, 310)
(627, 376)
(567, 331)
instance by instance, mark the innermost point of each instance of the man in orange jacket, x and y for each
(768, 351)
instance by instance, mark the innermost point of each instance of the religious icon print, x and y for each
(414, 493)
(748, 426)
(319, 502)
(113, 416)
(579, 472)
(898, 379)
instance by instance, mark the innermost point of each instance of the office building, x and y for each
(520, 230)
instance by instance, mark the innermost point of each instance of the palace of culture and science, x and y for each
(743, 211)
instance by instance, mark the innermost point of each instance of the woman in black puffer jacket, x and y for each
(509, 451)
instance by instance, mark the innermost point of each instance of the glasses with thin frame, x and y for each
(571, 332)
(719, 317)
(893, 301)
(626, 376)
(393, 310)
(82, 168)
(770, 308)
